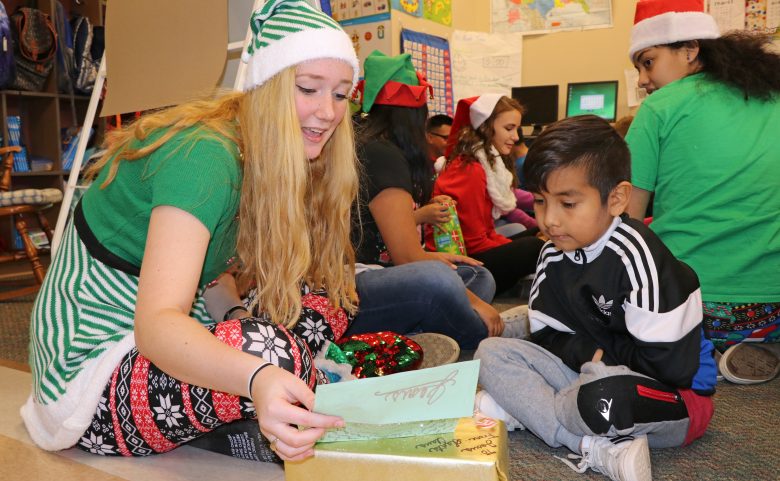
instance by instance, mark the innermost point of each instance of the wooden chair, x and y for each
(17, 204)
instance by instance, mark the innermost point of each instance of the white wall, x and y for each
(238, 23)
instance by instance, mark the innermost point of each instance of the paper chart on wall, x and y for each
(762, 15)
(485, 62)
(439, 11)
(634, 94)
(431, 56)
(345, 10)
(410, 7)
(752, 15)
(728, 14)
(369, 36)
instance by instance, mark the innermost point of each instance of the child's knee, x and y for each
(492, 352)
(615, 405)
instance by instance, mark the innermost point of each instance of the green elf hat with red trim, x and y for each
(392, 81)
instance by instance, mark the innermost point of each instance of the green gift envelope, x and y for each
(414, 403)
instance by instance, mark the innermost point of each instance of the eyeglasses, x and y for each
(441, 136)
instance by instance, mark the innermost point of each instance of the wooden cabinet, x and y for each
(45, 114)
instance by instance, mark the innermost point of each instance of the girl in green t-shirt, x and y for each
(705, 143)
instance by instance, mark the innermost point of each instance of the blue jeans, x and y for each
(423, 297)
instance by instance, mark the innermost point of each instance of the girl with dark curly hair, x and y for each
(705, 142)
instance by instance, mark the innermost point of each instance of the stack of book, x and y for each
(37, 236)
(21, 164)
(69, 146)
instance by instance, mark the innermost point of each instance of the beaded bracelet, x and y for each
(252, 377)
(228, 315)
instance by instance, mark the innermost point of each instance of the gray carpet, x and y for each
(741, 443)
(14, 328)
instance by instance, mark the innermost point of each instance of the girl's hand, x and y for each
(435, 213)
(443, 199)
(490, 316)
(275, 393)
(452, 259)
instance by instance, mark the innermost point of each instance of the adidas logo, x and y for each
(603, 305)
(604, 407)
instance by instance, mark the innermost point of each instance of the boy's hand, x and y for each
(597, 355)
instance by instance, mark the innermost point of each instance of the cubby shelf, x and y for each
(44, 114)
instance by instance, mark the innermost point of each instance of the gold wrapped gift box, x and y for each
(476, 451)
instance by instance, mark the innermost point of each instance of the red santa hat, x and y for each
(471, 111)
(661, 22)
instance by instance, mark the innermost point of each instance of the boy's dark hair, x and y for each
(584, 141)
(437, 121)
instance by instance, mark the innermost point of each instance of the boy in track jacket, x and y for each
(617, 361)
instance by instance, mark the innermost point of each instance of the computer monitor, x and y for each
(541, 105)
(597, 98)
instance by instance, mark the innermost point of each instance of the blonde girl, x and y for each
(127, 355)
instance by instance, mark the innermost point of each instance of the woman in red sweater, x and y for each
(476, 177)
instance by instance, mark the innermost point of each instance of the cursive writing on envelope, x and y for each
(430, 391)
(442, 392)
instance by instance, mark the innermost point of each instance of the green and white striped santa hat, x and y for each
(288, 32)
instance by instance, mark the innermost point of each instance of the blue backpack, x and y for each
(65, 60)
(7, 64)
(88, 45)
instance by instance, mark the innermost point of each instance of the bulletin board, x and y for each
(368, 36)
(761, 16)
(346, 10)
(431, 56)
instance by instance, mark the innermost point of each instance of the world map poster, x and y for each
(546, 16)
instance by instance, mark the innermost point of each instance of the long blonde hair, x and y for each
(212, 116)
(294, 214)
